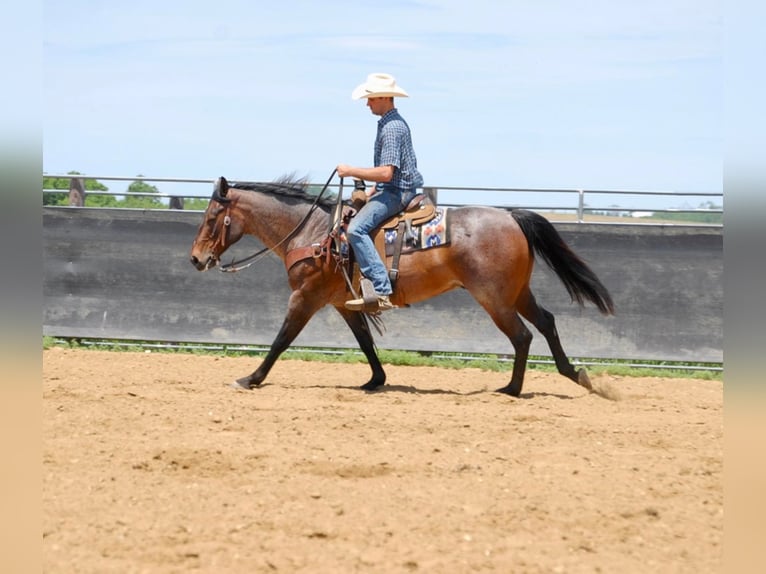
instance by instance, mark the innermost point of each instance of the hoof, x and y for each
(509, 390)
(584, 380)
(243, 383)
(371, 386)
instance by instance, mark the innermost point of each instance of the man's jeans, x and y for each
(387, 201)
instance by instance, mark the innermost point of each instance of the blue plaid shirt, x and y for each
(393, 146)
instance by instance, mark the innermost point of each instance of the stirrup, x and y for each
(370, 301)
(380, 303)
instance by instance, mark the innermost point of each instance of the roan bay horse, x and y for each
(491, 254)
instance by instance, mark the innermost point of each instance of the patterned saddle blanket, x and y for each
(415, 236)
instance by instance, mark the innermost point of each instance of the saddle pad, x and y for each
(430, 234)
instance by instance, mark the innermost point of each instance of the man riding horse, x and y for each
(396, 177)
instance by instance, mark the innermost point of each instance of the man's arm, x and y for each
(380, 174)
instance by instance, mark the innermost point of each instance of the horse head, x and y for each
(220, 228)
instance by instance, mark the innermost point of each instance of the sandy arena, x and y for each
(153, 463)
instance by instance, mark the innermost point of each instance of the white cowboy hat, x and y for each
(379, 86)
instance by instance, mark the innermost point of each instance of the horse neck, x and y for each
(271, 218)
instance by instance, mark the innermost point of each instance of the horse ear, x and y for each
(220, 190)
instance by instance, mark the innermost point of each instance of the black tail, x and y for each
(580, 281)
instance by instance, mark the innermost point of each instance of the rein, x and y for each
(241, 264)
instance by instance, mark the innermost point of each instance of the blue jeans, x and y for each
(387, 201)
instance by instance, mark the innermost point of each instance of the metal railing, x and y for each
(578, 208)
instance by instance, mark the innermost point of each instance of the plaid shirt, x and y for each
(393, 146)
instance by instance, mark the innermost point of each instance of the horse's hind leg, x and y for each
(544, 322)
(521, 338)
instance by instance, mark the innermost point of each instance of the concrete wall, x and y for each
(125, 274)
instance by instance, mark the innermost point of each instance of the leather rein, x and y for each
(241, 264)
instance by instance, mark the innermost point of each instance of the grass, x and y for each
(496, 363)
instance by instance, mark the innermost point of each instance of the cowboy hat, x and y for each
(379, 86)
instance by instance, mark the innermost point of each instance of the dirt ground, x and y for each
(153, 463)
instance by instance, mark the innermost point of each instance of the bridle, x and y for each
(241, 264)
(222, 236)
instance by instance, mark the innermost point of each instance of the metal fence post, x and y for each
(76, 192)
(431, 193)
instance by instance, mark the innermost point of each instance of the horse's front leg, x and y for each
(299, 310)
(361, 331)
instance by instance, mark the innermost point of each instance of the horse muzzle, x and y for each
(203, 265)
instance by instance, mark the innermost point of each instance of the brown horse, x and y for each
(491, 254)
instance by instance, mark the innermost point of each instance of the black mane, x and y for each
(290, 186)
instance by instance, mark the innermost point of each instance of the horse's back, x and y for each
(487, 251)
(485, 223)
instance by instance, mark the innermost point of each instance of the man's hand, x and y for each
(344, 170)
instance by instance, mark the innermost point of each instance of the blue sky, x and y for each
(547, 94)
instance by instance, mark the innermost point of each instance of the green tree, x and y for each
(142, 202)
(101, 201)
(199, 204)
(63, 183)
